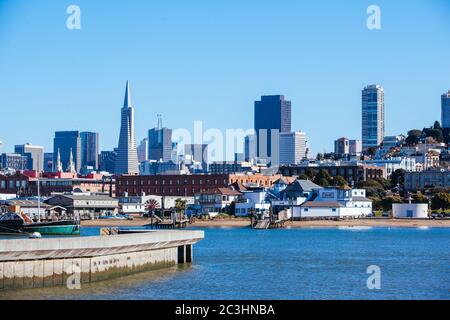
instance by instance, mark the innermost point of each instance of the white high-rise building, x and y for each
(293, 147)
(35, 155)
(127, 159)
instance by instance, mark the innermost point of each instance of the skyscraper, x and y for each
(372, 116)
(250, 147)
(142, 150)
(197, 153)
(35, 155)
(272, 116)
(89, 149)
(293, 147)
(127, 161)
(160, 144)
(64, 143)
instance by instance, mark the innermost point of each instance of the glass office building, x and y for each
(372, 116)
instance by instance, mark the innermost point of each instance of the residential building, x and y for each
(337, 203)
(427, 179)
(352, 172)
(34, 154)
(89, 149)
(390, 165)
(355, 147)
(342, 147)
(127, 161)
(293, 147)
(217, 200)
(372, 116)
(13, 161)
(66, 143)
(272, 116)
(393, 141)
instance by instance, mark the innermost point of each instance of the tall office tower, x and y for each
(197, 153)
(272, 116)
(160, 144)
(127, 160)
(63, 142)
(89, 149)
(142, 150)
(293, 147)
(107, 161)
(250, 147)
(372, 116)
(35, 155)
(445, 115)
(48, 162)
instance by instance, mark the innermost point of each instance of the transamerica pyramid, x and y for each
(127, 160)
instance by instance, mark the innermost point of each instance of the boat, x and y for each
(15, 223)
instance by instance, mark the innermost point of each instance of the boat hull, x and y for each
(54, 230)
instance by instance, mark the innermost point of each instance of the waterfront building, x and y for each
(34, 154)
(293, 147)
(336, 202)
(372, 116)
(89, 149)
(410, 210)
(272, 116)
(65, 143)
(427, 179)
(126, 160)
(197, 153)
(85, 206)
(217, 200)
(13, 161)
(142, 150)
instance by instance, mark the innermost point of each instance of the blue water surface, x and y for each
(240, 263)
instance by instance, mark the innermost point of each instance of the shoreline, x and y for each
(242, 223)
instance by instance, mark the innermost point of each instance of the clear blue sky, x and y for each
(209, 60)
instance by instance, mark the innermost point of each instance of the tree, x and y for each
(323, 178)
(319, 156)
(437, 125)
(339, 181)
(373, 188)
(180, 206)
(436, 134)
(371, 151)
(413, 137)
(419, 198)
(303, 177)
(440, 201)
(398, 178)
(311, 173)
(387, 202)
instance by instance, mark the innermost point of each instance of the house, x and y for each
(85, 206)
(216, 200)
(254, 199)
(337, 202)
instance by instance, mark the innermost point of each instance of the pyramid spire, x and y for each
(127, 100)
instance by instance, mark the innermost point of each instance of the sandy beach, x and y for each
(241, 223)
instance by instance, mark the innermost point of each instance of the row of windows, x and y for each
(171, 182)
(13, 184)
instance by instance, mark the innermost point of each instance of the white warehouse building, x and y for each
(410, 210)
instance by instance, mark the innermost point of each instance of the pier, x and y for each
(35, 263)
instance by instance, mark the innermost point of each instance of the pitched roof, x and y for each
(238, 186)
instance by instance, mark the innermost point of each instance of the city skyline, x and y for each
(185, 87)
